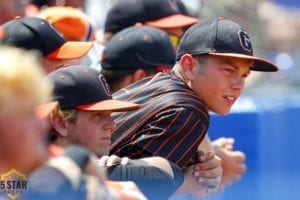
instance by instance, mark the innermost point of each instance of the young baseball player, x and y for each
(84, 117)
(213, 61)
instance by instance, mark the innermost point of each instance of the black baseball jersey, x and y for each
(171, 123)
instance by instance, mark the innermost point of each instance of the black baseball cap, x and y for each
(155, 13)
(84, 88)
(221, 37)
(34, 33)
(139, 47)
(182, 7)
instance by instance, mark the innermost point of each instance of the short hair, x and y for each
(115, 77)
(201, 59)
(67, 115)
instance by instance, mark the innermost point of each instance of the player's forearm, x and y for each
(205, 145)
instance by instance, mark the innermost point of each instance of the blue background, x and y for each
(268, 132)
(290, 3)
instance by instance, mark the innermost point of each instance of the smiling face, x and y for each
(92, 129)
(219, 81)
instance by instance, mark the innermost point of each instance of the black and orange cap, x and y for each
(155, 13)
(34, 33)
(84, 88)
(221, 37)
(139, 47)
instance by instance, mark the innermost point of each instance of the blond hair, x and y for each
(22, 79)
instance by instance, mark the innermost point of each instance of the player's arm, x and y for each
(174, 134)
(203, 178)
(156, 177)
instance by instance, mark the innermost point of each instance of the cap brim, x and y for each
(71, 50)
(259, 63)
(110, 105)
(173, 21)
(43, 110)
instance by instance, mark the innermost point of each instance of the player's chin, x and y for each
(222, 110)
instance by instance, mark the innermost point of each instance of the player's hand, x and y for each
(208, 171)
(204, 178)
(233, 162)
(93, 168)
(108, 161)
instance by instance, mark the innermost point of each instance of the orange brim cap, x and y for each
(173, 21)
(260, 64)
(43, 110)
(221, 37)
(110, 105)
(65, 18)
(71, 50)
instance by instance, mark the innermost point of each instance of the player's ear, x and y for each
(187, 66)
(59, 125)
(139, 74)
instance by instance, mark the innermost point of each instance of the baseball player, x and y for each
(214, 59)
(84, 117)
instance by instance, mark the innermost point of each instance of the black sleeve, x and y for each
(152, 181)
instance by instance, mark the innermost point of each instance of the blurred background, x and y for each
(274, 28)
(264, 122)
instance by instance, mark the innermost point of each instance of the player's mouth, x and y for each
(230, 99)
